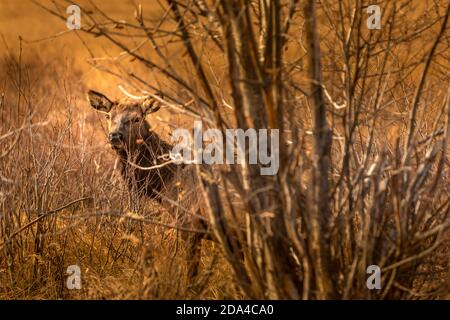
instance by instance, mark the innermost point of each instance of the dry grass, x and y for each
(63, 157)
(58, 158)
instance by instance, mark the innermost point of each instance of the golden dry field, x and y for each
(363, 171)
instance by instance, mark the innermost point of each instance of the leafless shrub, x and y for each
(365, 114)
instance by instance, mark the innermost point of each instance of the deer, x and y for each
(145, 166)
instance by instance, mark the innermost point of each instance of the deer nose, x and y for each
(115, 137)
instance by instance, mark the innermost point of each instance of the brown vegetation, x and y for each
(364, 170)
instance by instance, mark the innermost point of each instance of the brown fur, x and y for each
(170, 184)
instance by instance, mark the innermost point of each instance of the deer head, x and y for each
(127, 126)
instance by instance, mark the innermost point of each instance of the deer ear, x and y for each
(150, 105)
(99, 101)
